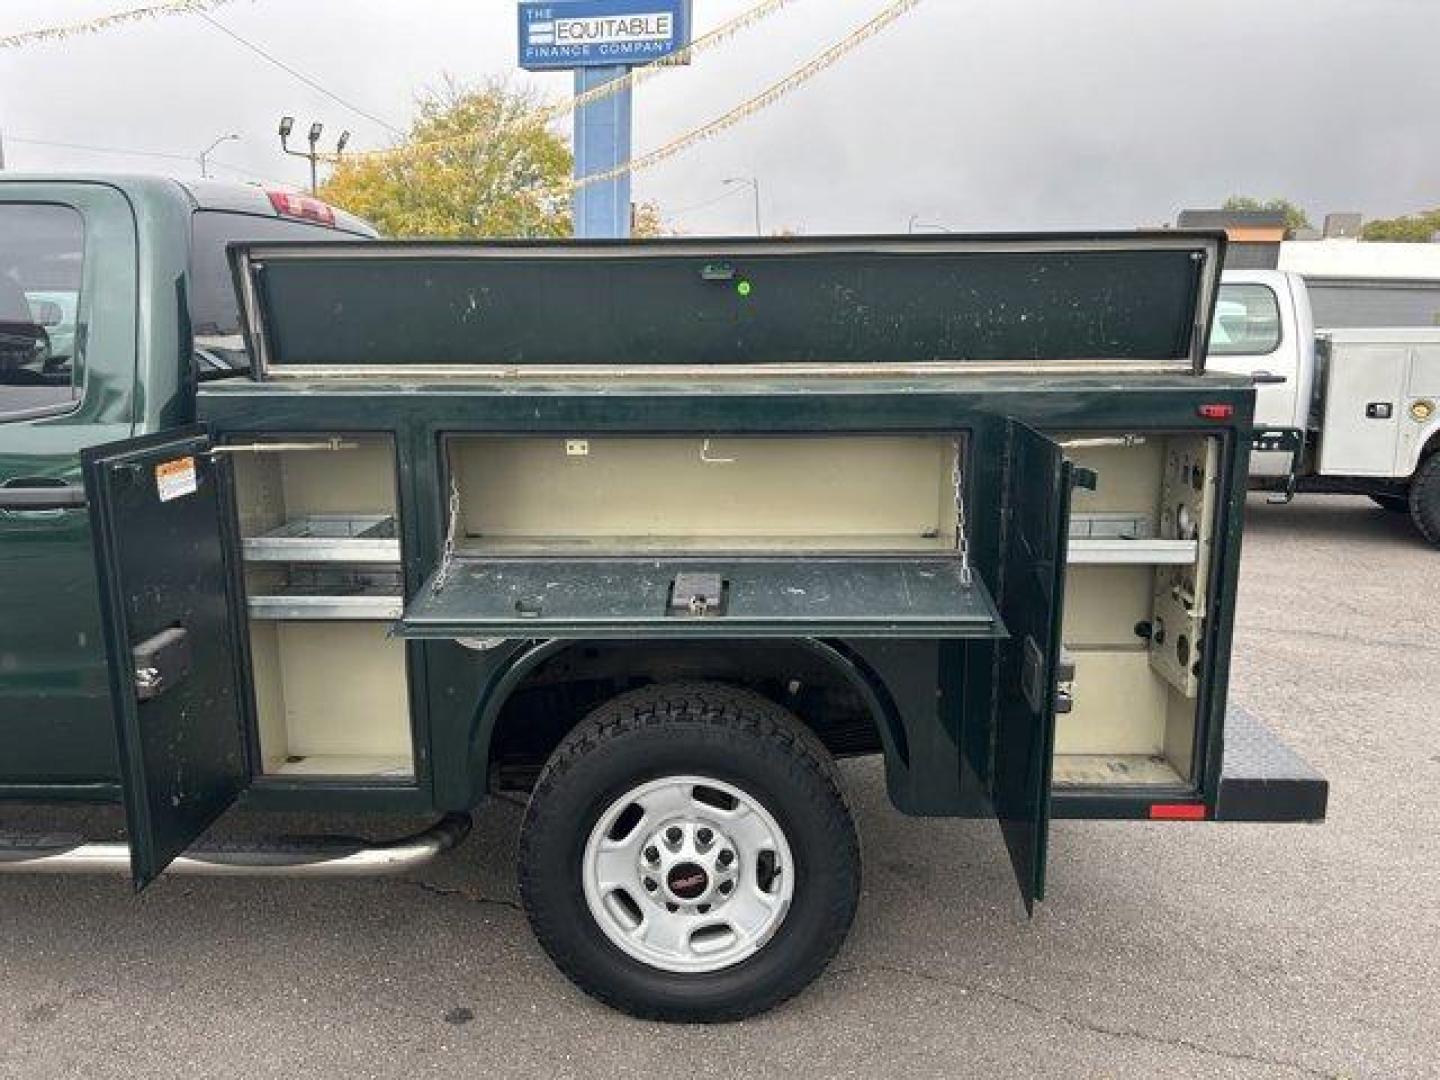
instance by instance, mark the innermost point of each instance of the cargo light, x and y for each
(303, 207)
(1216, 411)
(1163, 811)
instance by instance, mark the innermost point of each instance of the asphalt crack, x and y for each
(1079, 1024)
(459, 891)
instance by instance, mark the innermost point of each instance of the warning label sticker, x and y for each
(174, 479)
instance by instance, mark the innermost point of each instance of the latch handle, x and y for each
(161, 661)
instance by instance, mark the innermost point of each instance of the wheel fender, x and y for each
(528, 656)
(1425, 444)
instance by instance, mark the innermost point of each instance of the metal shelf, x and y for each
(328, 538)
(1124, 539)
(1115, 551)
(329, 594)
(325, 608)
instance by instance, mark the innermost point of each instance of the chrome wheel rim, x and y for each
(688, 874)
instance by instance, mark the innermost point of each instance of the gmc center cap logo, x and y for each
(687, 881)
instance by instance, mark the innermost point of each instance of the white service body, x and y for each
(1368, 400)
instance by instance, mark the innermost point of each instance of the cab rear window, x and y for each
(214, 311)
(1247, 321)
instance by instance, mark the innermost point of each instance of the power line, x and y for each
(104, 22)
(693, 207)
(306, 79)
(762, 100)
(123, 151)
(240, 170)
(101, 149)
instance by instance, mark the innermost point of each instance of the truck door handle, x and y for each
(40, 493)
(1268, 378)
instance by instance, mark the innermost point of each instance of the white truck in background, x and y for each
(1343, 410)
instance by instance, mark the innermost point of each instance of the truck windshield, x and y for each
(1247, 321)
(42, 249)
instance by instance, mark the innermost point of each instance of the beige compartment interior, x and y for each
(331, 698)
(330, 685)
(1134, 701)
(273, 487)
(547, 495)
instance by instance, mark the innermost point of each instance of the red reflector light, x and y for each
(289, 204)
(1182, 811)
(1216, 412)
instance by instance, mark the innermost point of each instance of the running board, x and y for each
(319, 856)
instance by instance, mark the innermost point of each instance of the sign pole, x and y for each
(602, 41)
(602, 143)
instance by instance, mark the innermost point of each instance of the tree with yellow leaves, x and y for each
(477, 163)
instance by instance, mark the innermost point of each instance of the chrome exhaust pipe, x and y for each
(321, 856)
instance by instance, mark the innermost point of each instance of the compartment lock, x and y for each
(698, 594)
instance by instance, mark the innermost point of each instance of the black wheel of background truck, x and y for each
(1396, 504)
(1425, 499)
(687, 854)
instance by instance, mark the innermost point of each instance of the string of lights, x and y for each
(760, 101)
(680, 58)
(105, 22)
(678, 145)
(633, 78)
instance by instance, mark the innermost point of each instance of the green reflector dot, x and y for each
(743, 288)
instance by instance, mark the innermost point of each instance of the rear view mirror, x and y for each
(48, 313)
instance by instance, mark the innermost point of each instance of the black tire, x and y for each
(1396, 504)
(706, 729)
(1425, 499)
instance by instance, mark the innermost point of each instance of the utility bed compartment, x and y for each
(321, 551)
(837, 534)
(1135, 610)
(699, 495)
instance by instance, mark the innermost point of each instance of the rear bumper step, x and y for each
(1263, 779)
(321, 856)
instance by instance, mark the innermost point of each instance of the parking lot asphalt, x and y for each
(1162, 950)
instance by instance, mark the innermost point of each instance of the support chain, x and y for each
(962, 528)
(447, 553)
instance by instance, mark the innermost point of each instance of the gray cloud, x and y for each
(977, 113)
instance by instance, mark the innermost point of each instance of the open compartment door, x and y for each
(1034, 541)
(702, 598)
(160, 509)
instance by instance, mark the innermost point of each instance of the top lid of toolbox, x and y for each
(835, 305)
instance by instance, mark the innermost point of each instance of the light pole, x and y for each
(312, 155)
(754, 185)
(204, 170)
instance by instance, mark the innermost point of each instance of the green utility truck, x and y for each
(651, 532)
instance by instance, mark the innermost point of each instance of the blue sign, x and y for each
(601, 33)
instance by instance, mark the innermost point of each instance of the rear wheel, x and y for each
(1425, 499)
(688, 856)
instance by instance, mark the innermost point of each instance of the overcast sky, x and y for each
(978, 114)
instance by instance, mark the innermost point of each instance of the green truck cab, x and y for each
(651, 532)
